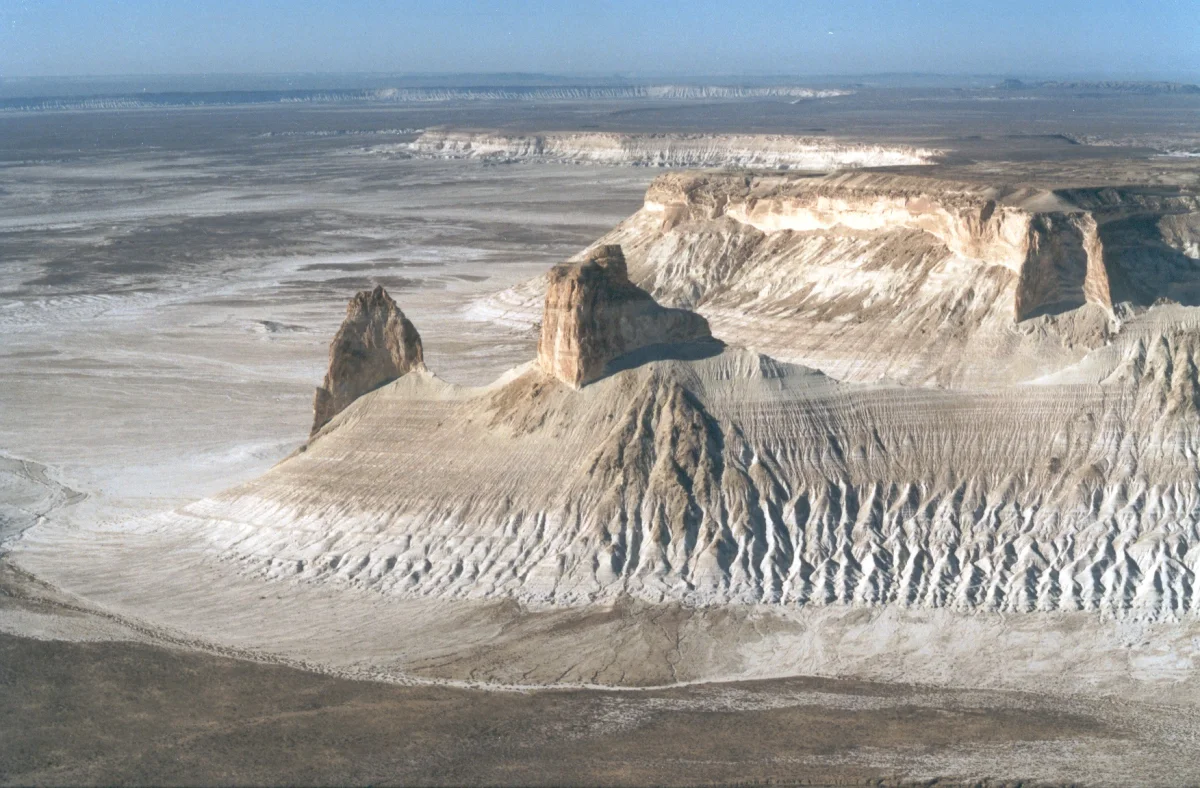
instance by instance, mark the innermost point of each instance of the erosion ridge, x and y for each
(738, 479)
(730, 477)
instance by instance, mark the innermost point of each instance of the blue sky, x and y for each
(1114, 38)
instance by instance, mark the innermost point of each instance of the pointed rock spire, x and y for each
(375, 345)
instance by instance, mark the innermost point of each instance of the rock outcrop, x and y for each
(737, 479)
(924, 281)
(594, 315)
(375, 345)
(705, 479)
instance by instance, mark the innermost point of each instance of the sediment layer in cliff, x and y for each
(772, 151)
(1054, 248)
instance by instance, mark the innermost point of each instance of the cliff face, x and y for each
(375, 344)
(918, 280)
(672, 150)
(1054, 250)
(593, 315)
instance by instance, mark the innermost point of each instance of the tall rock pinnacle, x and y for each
(375, 345)
(594, 314)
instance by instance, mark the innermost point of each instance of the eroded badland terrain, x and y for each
(686, 437)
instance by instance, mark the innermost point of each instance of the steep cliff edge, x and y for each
(375, 345)
(774, 151)
(1053, 245)
(920, 280)
(594, 315)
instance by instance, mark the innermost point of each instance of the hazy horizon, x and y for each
(630, 76)
(1110, 39)
(365, 84)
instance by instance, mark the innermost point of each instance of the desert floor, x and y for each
(169, 283)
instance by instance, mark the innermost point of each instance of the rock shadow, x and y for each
(695, 350)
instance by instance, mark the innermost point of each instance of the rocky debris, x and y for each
(594, 314)
(375, 345)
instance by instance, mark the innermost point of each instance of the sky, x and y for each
(1144, 39)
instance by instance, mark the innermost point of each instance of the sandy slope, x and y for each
(710, 517)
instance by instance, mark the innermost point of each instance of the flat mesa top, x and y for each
(1089, 189)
